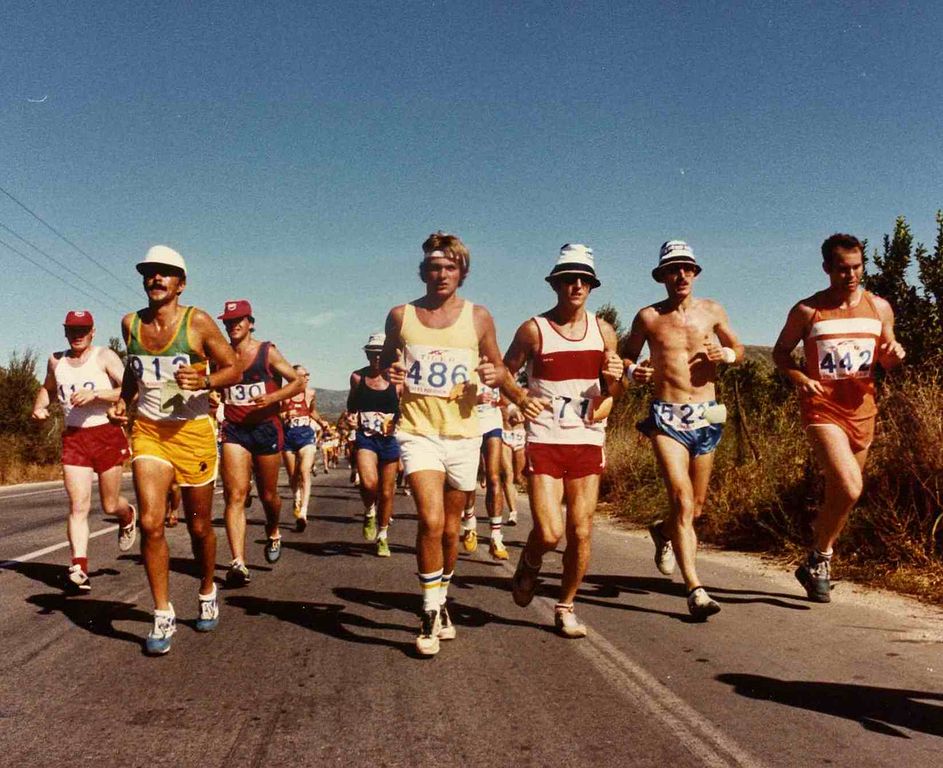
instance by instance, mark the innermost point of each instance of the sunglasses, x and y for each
(571, 279)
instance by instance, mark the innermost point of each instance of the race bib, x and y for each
(243, 394)
(571, 412)
(66, 392)
(488, 399)
(156, 370)
(437, 371)
(376, 422)
(686, 417)
(299, 421)
(845, 358)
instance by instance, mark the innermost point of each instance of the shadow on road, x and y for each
(327, 618)
(50, 574)
(342, 548)
(881, 710)
(95, 616)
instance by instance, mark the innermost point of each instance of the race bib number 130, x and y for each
(437, 371)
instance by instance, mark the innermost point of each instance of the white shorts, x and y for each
(457, 457)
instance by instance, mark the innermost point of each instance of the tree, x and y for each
(610, 314)
(18, 387)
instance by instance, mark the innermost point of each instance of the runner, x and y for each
(513, 438)
(376, 404)
(439, 347)
(173, 436)
(844, 330)
(685, 422)
(86, 380)
(490, 425)
(252, 435)
(299, 417)
(572, 367)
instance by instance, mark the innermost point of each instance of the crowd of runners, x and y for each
(439, 408)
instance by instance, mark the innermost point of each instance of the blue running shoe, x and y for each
(209, 613)
(273, 549)
(165, 625)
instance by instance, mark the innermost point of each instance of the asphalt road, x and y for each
(313, 663)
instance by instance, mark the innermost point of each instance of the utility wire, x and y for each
(58, 277)
(59, 264)
(55, 231)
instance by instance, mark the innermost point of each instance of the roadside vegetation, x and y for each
(766, 487)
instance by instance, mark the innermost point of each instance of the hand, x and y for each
(613, 367)
(643, 372)
(396, 374)
(532, 407)
(891, 354)
(809, 387)
(264, 400)
(40, 414)
(82, 397)
(118, 413)
(715, 352)
(487, 374)
(188, 377)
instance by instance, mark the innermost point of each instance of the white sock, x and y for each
(370, 511)
(444, 589)
(210, 596)
(431, 584)
(382, 533)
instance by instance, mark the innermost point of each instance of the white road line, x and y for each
(60, 489)
(53, 548)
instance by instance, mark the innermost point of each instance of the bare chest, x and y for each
(677, 333)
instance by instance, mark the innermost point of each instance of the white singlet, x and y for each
(71, 378)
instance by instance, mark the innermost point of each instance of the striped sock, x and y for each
(496, 528)
(469, 522)
(444, 590)
(431, 584)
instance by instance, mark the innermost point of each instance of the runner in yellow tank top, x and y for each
(173, 437)
(439, 347)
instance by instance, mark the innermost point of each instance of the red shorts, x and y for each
(564, 462)
(100, 448)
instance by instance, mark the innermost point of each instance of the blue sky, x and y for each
(297, 154)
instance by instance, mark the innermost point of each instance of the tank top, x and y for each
(489, 413)
(840, 350)
(377, 409)
(441, 383)
(296, 411)
(159, 397)
(71, 378)
(257, 379)
(566, 372)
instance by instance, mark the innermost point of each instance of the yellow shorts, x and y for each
(187, 446)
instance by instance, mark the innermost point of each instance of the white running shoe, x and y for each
(127, 534)
(78, 579)
(165, 626)
(564, 619)
(664, 554)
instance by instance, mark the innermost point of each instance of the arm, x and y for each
(313, 408)
(393, 347)
(491, 370)
(115, 370)
(44, 395)
(639, 371)
(728, 340)
(215, 348)
(525, 344)
(796, 323)
(611, 374)
(293, 386)
(354, 383)
(890, 353)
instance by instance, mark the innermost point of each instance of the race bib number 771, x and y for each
(437, 371)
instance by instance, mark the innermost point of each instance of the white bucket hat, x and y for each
(161, 254)
(575, 259)
(376, 341)
(674, 252)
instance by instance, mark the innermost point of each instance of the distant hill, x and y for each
(755, 352)
(331, 402)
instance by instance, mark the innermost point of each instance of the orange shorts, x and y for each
(860, 431)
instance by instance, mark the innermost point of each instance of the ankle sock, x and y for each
(81, 562)
(381, 534)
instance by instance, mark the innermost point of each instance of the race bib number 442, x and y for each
(437, 371)
(845, 358)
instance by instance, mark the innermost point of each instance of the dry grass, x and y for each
(766, 488)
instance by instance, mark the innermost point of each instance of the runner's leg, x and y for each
(844, 482)
(266, 483)
(674, 463)
(109, 491)
(546, 500)
(581, 496)
(78, 487)
(152, 479)
(306, 457)
(507, 477)
(237, 469)
(198, 507)
(387, 491)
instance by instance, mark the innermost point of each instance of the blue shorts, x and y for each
(699, 440)
(297, 438)
(493, 433)
(386, 448)
(261, 439)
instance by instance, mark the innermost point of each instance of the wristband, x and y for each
(629, 370)
(729, 356)
(206, 382)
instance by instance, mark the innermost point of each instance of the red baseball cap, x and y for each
(79, 318)
(236, 309)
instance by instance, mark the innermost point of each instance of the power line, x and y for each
(55, 231)
(58, 277)
(59, 264)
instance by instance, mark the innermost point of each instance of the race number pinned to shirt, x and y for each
(156, 372)
(570, 412)
(437, 371)
(689, 416)
(244, 394)
(488, 400)
(845, 358)
(376, 423)
(299, 421)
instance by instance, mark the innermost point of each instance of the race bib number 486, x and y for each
(845, 358)
(437, 371)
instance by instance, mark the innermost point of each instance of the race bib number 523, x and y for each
(437, 371)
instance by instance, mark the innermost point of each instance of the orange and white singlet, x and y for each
(841, 348)
(566, 372)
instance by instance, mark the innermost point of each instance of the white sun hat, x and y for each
(674, 252)
(376, 341)
(575, 259)
(162, 254)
